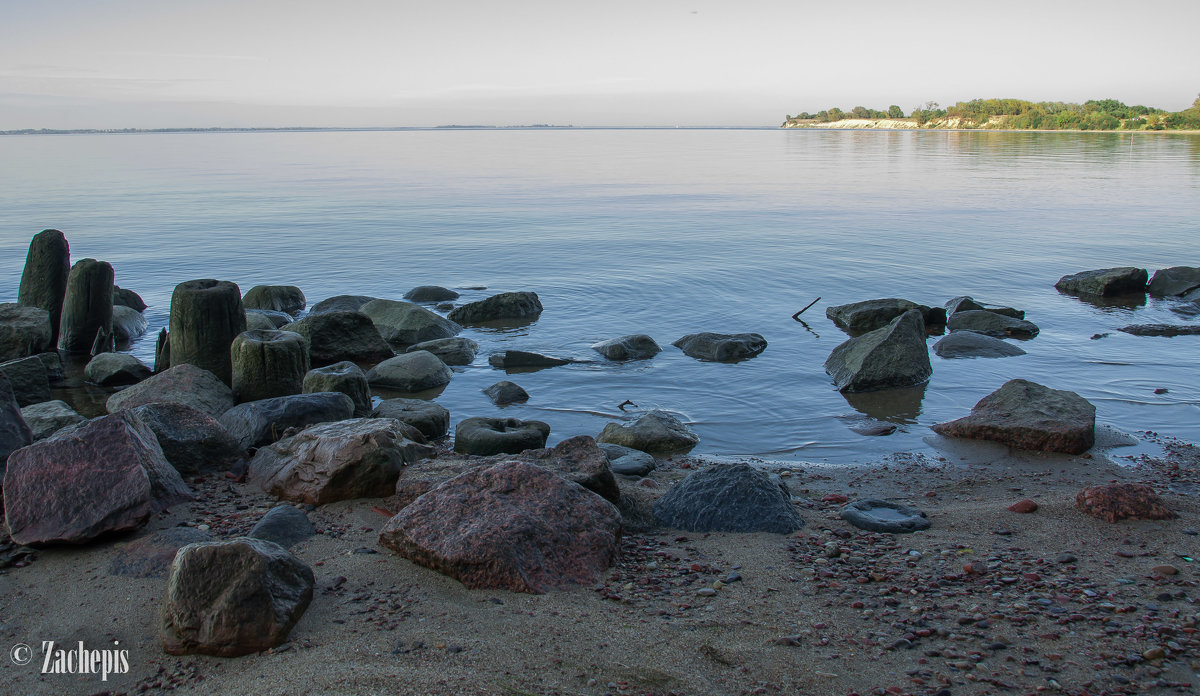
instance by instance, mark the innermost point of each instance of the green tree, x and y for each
(896, 112)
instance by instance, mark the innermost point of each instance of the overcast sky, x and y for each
(163, 63)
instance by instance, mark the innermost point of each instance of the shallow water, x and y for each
(665, 232)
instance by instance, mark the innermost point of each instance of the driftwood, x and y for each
(796, 316)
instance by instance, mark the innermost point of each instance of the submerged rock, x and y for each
(430, 293)
(507, 305)
(1174, 281)
(519, 359)
(972, 344)
(717, 347)
(965, 303)
(657, 432)
(1027, 415)
(1104, 282)
(1162, 329)
(631, 347)
(991, 324)
(407, 323)
(506, 392)
(891, 357)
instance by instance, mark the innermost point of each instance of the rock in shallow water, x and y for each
(631, 347)
(335, 336)
(891, 357)
(410, 372)
(507, 305)
(869, 315)
(657, 432)
(487, 436)
(433, 420)
(972, 344)
(992, 324)
(1104, 282)
(718, 347)
(1027, 415)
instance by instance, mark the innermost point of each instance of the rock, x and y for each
(206, 315)
(275, 319)
(128, 298)
(507, 305)
(579, 460)
(192, 441)
(231, 598)
(887, 358)
(1175, 281)
(717, 347)
(965, 303)
(268, 364)
(728, 498)
(520, 359)
(628, 461)
(1162, 329)
(162, 352)
(340, 303)
(1165, 570)
(285, 525)
(44, 279)
(183, 384)
(280, 298)
(506, 392)
(884, 516)
(1023, 507)
(631, 347)
(54, 366)
(433, 420)
(151, 556)
(992, 324)
(102, 476)
(869, 315)
(657, 432)
(127, 324)
(324, 463)
(410, 372)
(256, 321)
(406, 323)
(1027, 415)
(870, 427)
(336, 336)
(258, 423)
(45, 419)
(115, 370)
(87, 306)
(430, 293)
(485, 436)
(1122, 501)
(344, 377)
(972, 344)
(1104, 282)
(512, 526)
(452, 351)
(28, 379)
(24, 331)
(14, 431)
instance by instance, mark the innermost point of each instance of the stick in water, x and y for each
(796, 316)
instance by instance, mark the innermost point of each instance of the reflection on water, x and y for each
(891, 405)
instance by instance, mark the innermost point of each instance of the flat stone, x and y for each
(992, 324)
(1023, 507)
(1027, 415)
(1162, 329)
(860, 317)
(631, 347)
(520, 359)
(965, 303)
(972, 344)
(719, 347)
(1104, 282)
(884, 516)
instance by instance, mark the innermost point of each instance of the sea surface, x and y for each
(664, 232)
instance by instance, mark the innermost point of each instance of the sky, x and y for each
(363, 63)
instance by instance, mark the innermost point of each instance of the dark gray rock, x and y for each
(628, 461)
(1104, 282)
(44, 279)
(524, 360)
(506, 392)
(192, 441)
(410, 372)
(887, 358)
(54, 367)
(46, 418)
(869, 315)
(407, 323)
(1027, 415)
(206, 315)
(150, 556)
(433, 420)
(24, 331)
(87, 306)
(884, 516)
(965, 303)
(14, 431)
(507, 305)
(256, 321)
(115, 370)
(340, 303)
(728, 498)
(336, 336)
(127, 324)
(344, 377)
(657, 432)
(452, 351)
(128, 298)
(1162, 329)
(430, 293)
(257, 423)
(183, 384)
(487, 436)
(285, 525)
(992, 324)
(28, 380)
(971, 344)
(281, 298)
(716, 347)
(267, 364)
(631, 347)
(1174, 281)
(275, 318)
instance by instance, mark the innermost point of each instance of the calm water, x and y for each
(664, 232)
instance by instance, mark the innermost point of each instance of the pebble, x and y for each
(1164, 570)
(1065, 558)
(1023, 506)
(1154, 654)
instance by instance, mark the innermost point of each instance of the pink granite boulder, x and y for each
(1029, 416)
(1123, 501)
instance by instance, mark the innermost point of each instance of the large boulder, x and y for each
(728, 498)
(992, 324)
(432, 419)
(1174, 282)
(281, 298)
(452, 351)
(512, 526)
(340, 303)
(191, 440)
(268, 364)
(336, 336)
(406, 323)
(657, 432)
(410, 372)
(206, 315)
(869, 315)
(24, 331)
(102, 476)
(485, 436)
(1104, 282)
(430, 293)
(888, 358)
(972, 344)
(1123, 501)
(182, 384)
(115, 370)
(44, 279)
(1027, 415)
(631, 347)
(324, 463)
(257, 423)
(87, 309)
(235, 597)
(344, 377)
(14, 431)
(28, 378)
(717, 347)
(506, 305)
(127, 324)
(47, 418)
